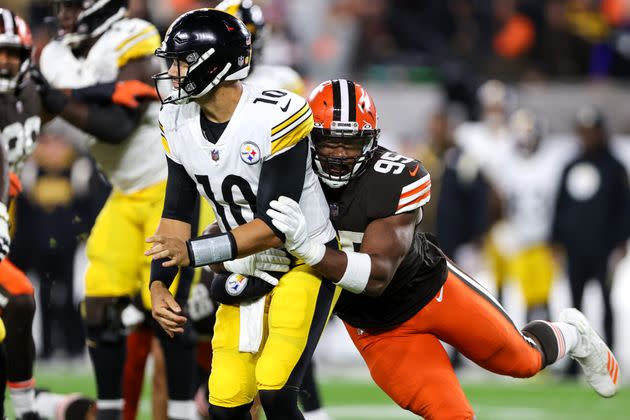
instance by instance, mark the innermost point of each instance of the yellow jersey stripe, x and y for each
(136, 36)
(292, 126)
(289, 120)
(165, 144)
(141, 49)
(293, 136)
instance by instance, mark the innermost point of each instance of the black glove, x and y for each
(53, 100)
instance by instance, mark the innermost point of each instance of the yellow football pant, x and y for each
(297, 311)
(115, 249)
(533, 268)
(3, 331)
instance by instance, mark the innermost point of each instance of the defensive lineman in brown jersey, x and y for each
(401, 294)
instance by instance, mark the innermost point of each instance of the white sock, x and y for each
(23, 399)
(319, 414)
(46, 404)
(181, 409)
(570, 334)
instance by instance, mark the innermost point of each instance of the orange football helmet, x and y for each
(346, 130)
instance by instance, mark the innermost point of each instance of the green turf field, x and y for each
(539, 399)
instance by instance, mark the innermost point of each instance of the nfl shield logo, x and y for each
(214, 154)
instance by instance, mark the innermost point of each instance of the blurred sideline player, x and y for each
(239, 146)
(274, 77)
(401, 295)
(98, 43)
(19, 125)
(488, 142)
(528, 190)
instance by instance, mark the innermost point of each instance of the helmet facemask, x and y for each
(196, 74)
(341, 153)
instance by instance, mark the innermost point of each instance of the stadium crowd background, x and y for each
(423, 62)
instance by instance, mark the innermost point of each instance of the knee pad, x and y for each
(103, 319)
(281, 404)
(18, 315)
(240, 412)
(544, 340)
(19, 306)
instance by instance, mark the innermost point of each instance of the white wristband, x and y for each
(357, 273)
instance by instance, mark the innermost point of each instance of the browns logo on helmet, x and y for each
(346, 130)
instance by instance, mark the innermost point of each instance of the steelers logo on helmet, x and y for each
(345, 131)
(203, 48)
(235, 284)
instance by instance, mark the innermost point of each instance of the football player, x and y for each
(240, 147)
(488, 142)
(401, 295)
(263, 75)
(98, 44)
(5, 240)
(19, 127)
(528, 190)
(271, 77)
(20, 122)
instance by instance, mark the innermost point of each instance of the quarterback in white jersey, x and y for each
(240, 147)
(98, 45)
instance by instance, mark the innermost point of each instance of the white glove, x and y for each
(5, 239)
(257, 264)
(287, 216)
(200, 304)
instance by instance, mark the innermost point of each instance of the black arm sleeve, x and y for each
(181, 194)
(111, 123)
(281, 175)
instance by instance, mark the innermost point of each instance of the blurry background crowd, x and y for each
(517, 108)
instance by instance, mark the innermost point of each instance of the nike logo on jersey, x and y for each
(441, 295)
(284, 108)
(415, 170)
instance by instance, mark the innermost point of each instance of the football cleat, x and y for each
(598, 362)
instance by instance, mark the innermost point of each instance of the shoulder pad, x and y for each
(403, 183)
(133, 38)
(291, 120)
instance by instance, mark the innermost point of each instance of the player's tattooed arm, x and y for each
(385, 243)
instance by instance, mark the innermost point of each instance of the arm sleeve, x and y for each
(282, 175)
(181, 194)
(101, 118)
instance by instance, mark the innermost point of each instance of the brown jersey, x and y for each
(19, 124)
(391, 184)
